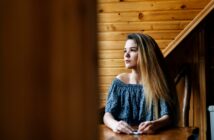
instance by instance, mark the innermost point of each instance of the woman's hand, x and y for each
(123, 127)
(147, 127)
(150, 127)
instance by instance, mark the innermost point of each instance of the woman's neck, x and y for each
(134, 77)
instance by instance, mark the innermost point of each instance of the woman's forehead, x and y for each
(130, 43)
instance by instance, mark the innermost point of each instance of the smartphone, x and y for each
(136, 132)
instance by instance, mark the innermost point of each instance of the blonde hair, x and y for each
(154, 77)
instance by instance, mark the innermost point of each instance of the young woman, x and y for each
(146, 96)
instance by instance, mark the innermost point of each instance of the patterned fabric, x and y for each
(127, 102)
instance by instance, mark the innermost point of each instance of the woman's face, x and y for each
(130, 54)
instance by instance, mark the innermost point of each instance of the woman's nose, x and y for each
(127, 54)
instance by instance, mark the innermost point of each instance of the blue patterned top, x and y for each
(127, 102)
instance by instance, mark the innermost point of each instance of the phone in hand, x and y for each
(136, 132)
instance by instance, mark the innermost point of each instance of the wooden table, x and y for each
(180, 133)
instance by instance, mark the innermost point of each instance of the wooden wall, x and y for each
(48, 57)
(162, 19)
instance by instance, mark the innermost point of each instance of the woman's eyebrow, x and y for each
(134, 47)
(131, 47)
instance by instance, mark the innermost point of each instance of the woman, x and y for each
(146, 96)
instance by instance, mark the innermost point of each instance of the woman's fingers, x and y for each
(128, 126)
(149, 130)
(143, 125)
(124, 127)
(146, 127)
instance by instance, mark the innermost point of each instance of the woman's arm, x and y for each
(150, 127)
(116, 126)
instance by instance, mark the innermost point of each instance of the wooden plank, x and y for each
(149, 6)
(111, 72)
(111, 54)
(119, 45)
(120, 36)
(113, 63)
(103, 96)
(105, 85)
(106, 80)
(102, 103)
(147, 16)
(115, 54)
(109, 1)
(163, 43)
(124, 26)
(142, 26)
(104, 88)
(111, 45)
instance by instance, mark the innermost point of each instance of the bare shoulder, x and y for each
(124, 77)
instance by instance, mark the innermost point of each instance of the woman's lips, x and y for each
(127, 61)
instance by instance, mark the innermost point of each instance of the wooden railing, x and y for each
(189, 28)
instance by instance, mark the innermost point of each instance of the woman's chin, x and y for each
(129, 67)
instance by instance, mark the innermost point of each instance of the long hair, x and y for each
(154, 75)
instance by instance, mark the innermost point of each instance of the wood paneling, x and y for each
(141, 15)
(105, 80)
(113, 63)
(112, 54)
(150, 6)
(106, 1)
(142, 26)
(163, 20)
(111, 71)
(196, 21)
(119, 36)
(119, 45)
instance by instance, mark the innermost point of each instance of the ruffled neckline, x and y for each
(125, 84)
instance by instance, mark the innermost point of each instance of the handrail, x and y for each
(208, 8)
(184, 72)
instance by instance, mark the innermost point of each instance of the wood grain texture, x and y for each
(110, 1)
(137, 16)
(120, 36)
(150, 6)
(142, 26)
(111, 63)
(119, 45)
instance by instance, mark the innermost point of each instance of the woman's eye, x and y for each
(134, 50)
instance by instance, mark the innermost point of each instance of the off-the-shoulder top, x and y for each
(127, 102)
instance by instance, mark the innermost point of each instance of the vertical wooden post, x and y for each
(48, 70)
(202, 83)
